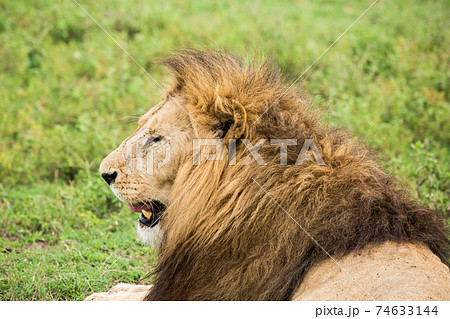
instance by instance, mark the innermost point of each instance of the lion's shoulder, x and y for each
(388, 271)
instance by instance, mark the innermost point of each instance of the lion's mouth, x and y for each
(151, 212)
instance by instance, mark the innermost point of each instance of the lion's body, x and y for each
(387, 272)
(252, 232)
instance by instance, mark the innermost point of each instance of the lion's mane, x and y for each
(225, 238)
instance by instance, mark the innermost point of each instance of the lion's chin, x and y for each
(151, 237)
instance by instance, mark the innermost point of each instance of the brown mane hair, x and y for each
(226, 239)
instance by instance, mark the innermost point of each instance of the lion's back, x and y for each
(388, 271)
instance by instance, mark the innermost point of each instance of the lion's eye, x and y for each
(153, 139)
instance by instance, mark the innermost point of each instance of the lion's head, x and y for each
(142, 170)
(230, 229)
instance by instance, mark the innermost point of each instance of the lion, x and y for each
(243, 229)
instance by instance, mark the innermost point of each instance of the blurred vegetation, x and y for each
(69, 96)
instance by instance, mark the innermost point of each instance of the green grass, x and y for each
(69, 96)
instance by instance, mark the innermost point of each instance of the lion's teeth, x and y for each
(146, 214)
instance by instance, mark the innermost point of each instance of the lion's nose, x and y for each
(109, 178)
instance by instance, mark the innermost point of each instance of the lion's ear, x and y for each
(223, 127)
(232, 118)
(223, 117)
